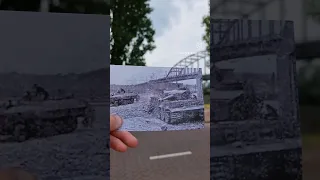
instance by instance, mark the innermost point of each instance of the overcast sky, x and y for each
(50, 43)
(178, 30)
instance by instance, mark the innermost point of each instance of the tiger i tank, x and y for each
(176, 106)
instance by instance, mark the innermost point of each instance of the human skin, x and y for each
(15, 173)
(120, 141)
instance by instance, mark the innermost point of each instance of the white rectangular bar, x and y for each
(170, 155)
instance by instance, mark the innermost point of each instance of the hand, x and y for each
(15, 173)
(120, 140)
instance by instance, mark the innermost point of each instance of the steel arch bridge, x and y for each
(185, 67)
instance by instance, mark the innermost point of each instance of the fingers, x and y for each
(117, 145)
(115, 122)
(126, 137)
(120, 140)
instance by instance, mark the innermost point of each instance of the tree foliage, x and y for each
(131, 28)
(131, 32)
(309, 86)
(313, 9)
(206, 36)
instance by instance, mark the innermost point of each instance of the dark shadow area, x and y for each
(58, 6)
(54, 94)
(305, 15)
(255, 129)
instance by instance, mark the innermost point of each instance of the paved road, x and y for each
(136, 164)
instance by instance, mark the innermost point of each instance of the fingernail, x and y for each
(118, 121)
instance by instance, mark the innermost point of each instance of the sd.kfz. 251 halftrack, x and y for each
(44, 118)
(177, 106)
(123, 99)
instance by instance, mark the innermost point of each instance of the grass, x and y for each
(311, 140)
(310, 156)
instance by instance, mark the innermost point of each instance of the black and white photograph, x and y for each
(54, 94)
(157, 98)
(254, 104)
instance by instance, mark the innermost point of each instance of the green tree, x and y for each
(309, 86)
(206, 36)
(313, 9)
(131, 32)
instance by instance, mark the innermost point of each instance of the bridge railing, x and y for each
(175, 72)
(225, 32)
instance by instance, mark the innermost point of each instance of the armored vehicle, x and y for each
(44, 118)
(180, 111)
(123, 99)
(176, 106)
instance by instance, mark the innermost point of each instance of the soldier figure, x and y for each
(40, 91)
(121, 91)
(89, 116)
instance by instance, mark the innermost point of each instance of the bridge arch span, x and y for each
(184, 66)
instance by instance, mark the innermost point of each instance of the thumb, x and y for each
(115, 122)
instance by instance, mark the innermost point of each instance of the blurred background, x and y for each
(306, 17)
(176, 34)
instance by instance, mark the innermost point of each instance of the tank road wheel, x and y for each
(20, 133)
(127, 101)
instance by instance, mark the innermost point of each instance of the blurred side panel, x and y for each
(255, 127)
(54, 83)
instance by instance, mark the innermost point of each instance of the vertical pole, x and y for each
(260, 28)
(282, 10)
(239, 30)
(263, 10)
(271, 27)
(304, 20)
(249, 29)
